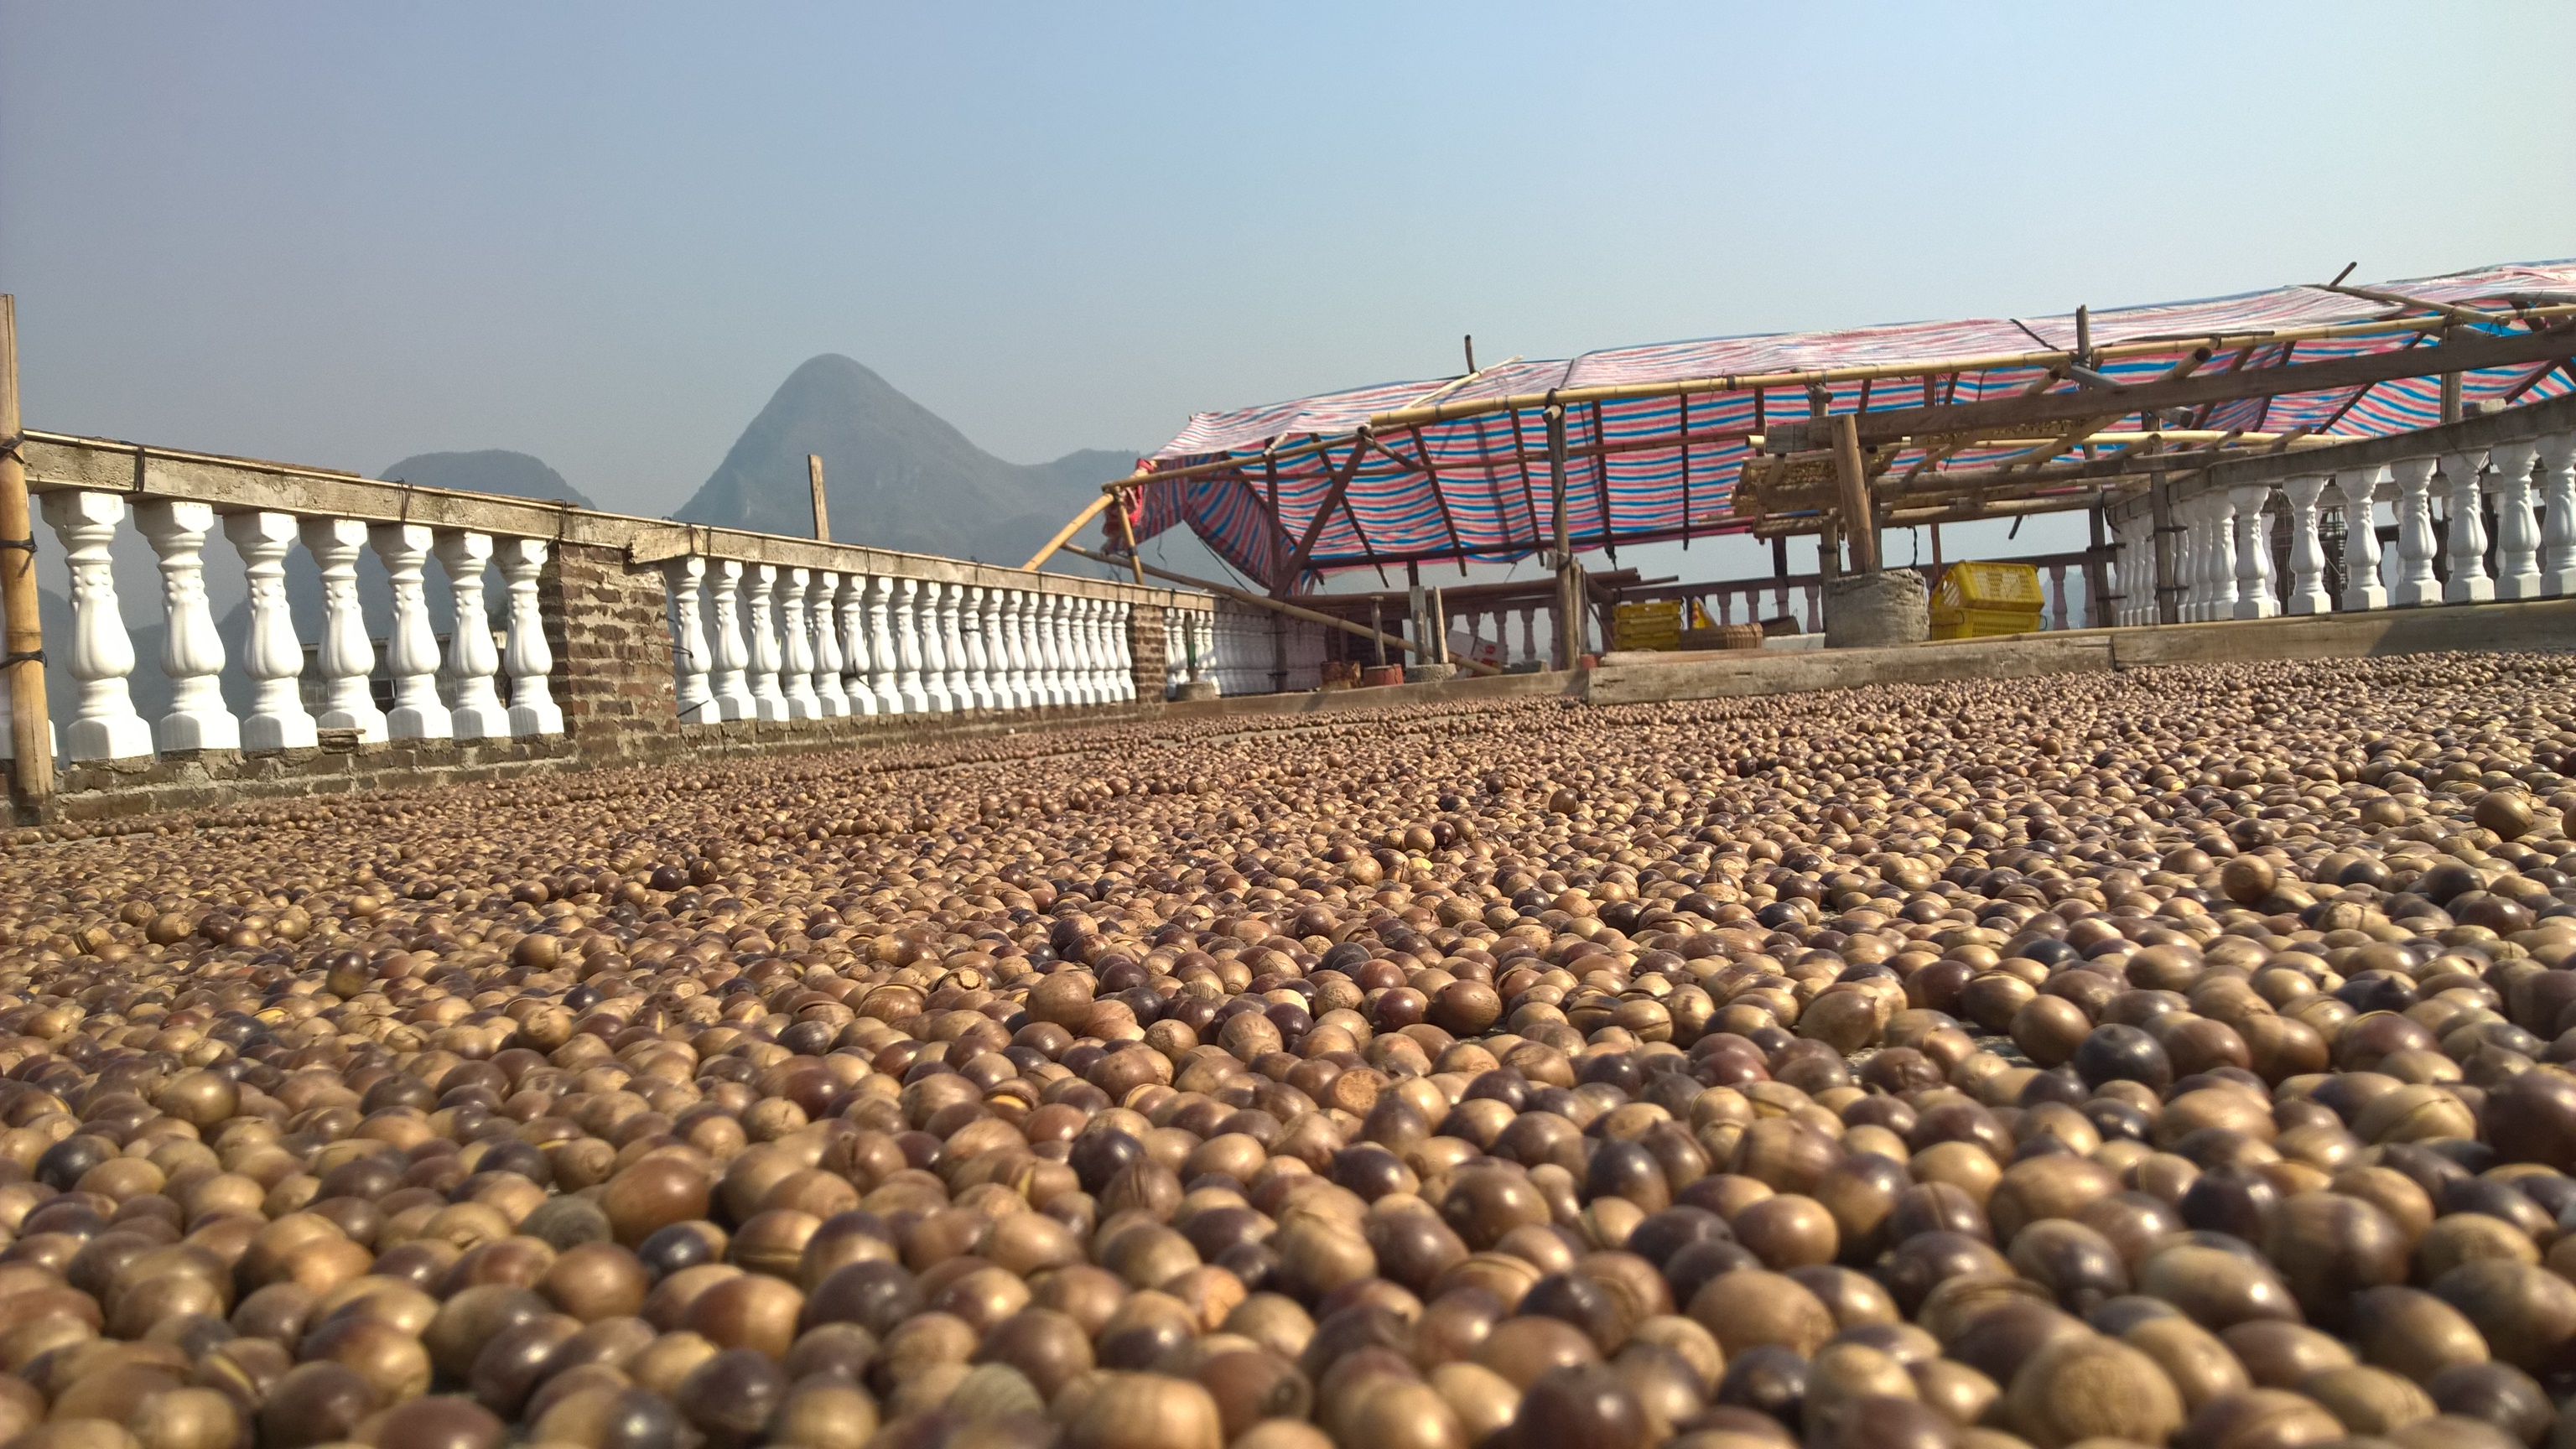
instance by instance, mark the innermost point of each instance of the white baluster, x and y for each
(2468, 583)
(104, 725)
(1104, 688)
(2416, 583)
(2218, 556)
(271, 654)
(2558, 514)
(690, 657)
(348, 657)
(471, 659)
(192, 653)
(1010, 665)
(861, 688)
(796, 652)
(975, 625)
(2307, 592)
(2361, 586)
(885, 657)
(907, 633)
(1086, 646)
(1122, 653)
(411, 645)
(824, 612)
(529, 660)
(2053, 594)
(1206, 622)
(1059, 662)
(1068, 650)
(2254, 598)
(952, 648)
(933, 648)
(732, 683)
(769, 702)
(2517, 532)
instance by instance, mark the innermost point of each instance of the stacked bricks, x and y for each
(605, 619)
(1145, 646)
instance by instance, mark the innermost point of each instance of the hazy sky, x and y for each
(603, 233)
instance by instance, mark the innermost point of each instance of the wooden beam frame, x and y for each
(1287, 579)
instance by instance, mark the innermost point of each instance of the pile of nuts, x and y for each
(2174, 1056)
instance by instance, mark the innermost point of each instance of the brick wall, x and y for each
(607, 621)
(1145, 642)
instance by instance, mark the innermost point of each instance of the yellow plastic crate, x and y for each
(1656, 625)
(1988, 586)
(1983, 623)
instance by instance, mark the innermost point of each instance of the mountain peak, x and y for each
(489, 470)
(897, 474)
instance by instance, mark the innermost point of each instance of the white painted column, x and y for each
(2558, 514)
(1008, 658)
(411, 645)
(907, 634)
(732, 683)
(2361, 586)
(104, 725)
(975, 623)
(1086, 650)
(1050, 648)
(471, 659)
(1205, 621)
(796, 657)
(2306, 593)
(769, 704)
(2468, 583)
(1031, 644)
(854, 633)
(952, 648)
(1122, 652)
(934, 648)
(2213, 579)
(2517, 531)
(885, 661)
(271, 654)
(348, 656)
(2416, 583)
(690, 661)
(192, 653)
(2254, 596)
(529, 660)
(825, 613)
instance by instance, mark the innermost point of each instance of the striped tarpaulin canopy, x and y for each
(1468, 478)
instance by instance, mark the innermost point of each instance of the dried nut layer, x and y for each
(2170, 1057)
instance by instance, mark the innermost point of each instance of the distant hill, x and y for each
(492, 470)
(896, 474)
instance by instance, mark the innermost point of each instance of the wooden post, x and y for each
(822, 510)
(2097, 578)
(1439, 629)
(1127, 534)
(1860, 519)
(29, 737)
(1377, 630)
(1569, 578)
(2450, 397)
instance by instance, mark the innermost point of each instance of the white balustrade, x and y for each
(690, 658)
(769, 702)
(271, 655)
(2416, 583)
(2307, 591)
(2558, 514)
(104, 725)
(2254, 597)
(907, 635)
(825, 610)
(2517, 573)
(192, 653)
(796, 646)
(478, 713)
(1122, 653)
(952, 649)
(2361, 586)
(1047, 647)
(934, 648)
(988, 658)
(347, 655)
(1011, 651)
(2468, 583)
(527, 658)
(862, 688)
(885, 655)
(411, 645)
(732, 681)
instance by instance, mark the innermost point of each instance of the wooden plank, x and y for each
(822, 509)
(30, 734)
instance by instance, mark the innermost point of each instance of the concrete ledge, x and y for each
(1566, 684)
(2525, 624)
(1733, 673)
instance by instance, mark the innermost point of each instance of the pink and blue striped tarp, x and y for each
(1659, 467)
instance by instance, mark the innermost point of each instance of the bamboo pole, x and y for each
(29, 738)
(1266, 602)
(1127, 534)
(822, 509)
(1859, 518)
(1089, 512)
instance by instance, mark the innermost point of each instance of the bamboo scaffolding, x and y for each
(30, 733)
(1279, 606)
